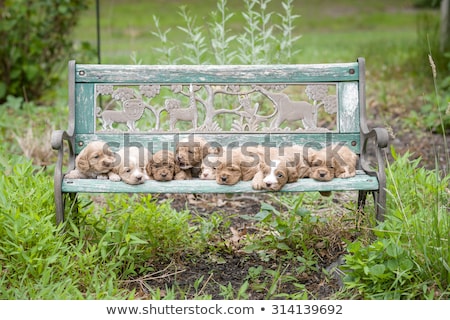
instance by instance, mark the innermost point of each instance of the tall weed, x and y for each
(411, 257)
(257, 43)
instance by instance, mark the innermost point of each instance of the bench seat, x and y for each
(361, 181)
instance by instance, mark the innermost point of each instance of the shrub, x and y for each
(35, 36)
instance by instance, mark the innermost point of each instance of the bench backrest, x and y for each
(156, 106)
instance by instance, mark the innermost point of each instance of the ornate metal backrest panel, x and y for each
(212, 108)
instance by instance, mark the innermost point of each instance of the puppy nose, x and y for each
(268, 184)
(322, 174)
(224, 178)
(139, 178)
(164, 174)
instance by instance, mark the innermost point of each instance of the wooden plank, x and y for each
(360, 182)
(156, 141)
(348, 112)
(199, 74)
(84, 108)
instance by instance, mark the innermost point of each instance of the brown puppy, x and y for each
(93, 162)
(164, 167)
(190, 153)
(335, 161)
(130, 166)
(237, 164)
(285, 165)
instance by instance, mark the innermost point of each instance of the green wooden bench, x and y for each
(311, 104)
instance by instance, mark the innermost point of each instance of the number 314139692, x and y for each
(307, 309)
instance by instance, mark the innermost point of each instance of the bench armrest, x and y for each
(380, 138)
(58, 138)
(57, 142)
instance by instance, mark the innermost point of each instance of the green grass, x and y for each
(113, 244)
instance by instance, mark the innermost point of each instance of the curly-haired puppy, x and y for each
(95, 161)
(189, 153)
(335, 161)
(285, 165)
(165, 167)
(237, 164)
(130, 166)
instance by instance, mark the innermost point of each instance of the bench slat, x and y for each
(157, 141)
(361, 181)
(200, 74)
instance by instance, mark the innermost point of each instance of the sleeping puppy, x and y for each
(210, 162)
(208, 167)
(189, 153)
(93, 162)
(130, 165)
(335, 161)
(285, 165)
(164, 167)
(237, 164)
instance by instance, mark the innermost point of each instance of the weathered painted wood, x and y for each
(348, 108)
(199, 74)
(168, 141)
(360, 182)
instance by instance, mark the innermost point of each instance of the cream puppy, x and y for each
(210, 162)
(334, 161)
(131, 165)
(95, 161)
(286, 165)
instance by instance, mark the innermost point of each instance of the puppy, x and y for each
(285, 165)
(237, 164)
(164, 167)
(93, 162)
(190, 153)
(208, 167)
(131, 165)
(334, 161)
(210, 162)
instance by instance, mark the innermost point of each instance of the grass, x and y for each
(121, 247)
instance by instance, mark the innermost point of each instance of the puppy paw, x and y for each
(74, 174)
(182, 175)
(114, 177)
(102, 177)
(346, 174)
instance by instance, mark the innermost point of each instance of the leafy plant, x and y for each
(35, 37)
(257, 43)
(411, 257)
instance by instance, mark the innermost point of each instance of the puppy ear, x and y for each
(148, 168)
(312, 156)
(82, 162)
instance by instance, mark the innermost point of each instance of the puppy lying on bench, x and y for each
(237, 164)
(279, 166)
(165, 167)
(334, 161)
(131, 165)
(189, 154)
(95, 161)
